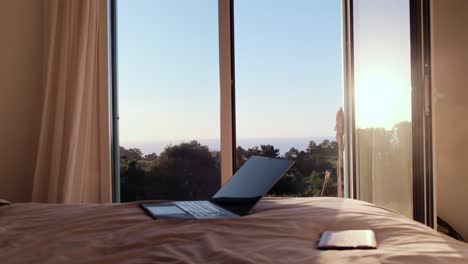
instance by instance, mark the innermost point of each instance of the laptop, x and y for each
(237, 196)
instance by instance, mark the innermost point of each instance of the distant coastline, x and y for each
(283, 144)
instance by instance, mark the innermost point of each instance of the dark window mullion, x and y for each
(113, 89)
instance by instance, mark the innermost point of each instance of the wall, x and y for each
(20, 90)
(450, 110)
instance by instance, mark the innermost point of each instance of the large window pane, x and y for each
(289, 88)
(168, 99)
(383, 103)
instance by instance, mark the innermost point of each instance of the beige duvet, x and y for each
(278, 230)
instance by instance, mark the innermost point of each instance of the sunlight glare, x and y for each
(382, 100)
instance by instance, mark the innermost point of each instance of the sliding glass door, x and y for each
(204, 85)
(169, 99)
(382, 70)
(197, 77)
(385, 68)
(289, 90)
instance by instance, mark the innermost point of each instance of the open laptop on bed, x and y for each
(240, 193)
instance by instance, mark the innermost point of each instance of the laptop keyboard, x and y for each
(200, 208)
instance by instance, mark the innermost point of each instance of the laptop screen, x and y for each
(255, 178)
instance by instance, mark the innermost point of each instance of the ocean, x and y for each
(283, 144)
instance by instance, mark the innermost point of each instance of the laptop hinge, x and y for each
(240, 206)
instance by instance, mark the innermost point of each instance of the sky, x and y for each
(382, 62)
(289, 80)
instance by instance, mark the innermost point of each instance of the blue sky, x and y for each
(288, 69)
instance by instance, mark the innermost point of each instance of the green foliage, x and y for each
(291, 184)
(186, 171)
(130, 154)
(133, 182)
(293, 153)
(191, 171)
(151, 156)
(314, 184)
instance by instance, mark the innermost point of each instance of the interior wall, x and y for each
(20, 95)
(450, 110)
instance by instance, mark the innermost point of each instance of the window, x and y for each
(168, 75)
(289, 88)
(173, 99)
(383, 103)
(203, 87)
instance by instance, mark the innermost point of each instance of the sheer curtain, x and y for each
(73, 161)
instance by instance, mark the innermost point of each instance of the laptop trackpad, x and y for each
(166, 211)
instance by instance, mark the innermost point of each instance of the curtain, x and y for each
(73, 159)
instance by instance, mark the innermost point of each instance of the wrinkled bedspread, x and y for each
(278, 230)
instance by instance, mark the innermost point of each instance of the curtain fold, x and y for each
(73, 161)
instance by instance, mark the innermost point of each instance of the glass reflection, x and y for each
(383, 103)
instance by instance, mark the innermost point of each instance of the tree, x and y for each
(269, 151)
(186, 171)
(151, 156)
(132, 182)
(314, 183)
(130, 154)
(255, 151)
(241, 156)
(312, 148)
(291, 184)
(334, 146)
(191, 171)
(264, 150)
(293, 153)
(325, 144)
(136, 153)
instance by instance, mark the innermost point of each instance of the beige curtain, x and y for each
(73, 161)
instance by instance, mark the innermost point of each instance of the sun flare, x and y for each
(382, 99)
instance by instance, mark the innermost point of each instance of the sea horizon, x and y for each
(283, 144)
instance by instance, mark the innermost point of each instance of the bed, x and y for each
(278, 230)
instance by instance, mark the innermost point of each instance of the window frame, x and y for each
(227, 97)
(423, 198)
(113, 91)
(227, 92)
(423, 203)
(227, 86)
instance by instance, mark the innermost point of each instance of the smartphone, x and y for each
(347, 239)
